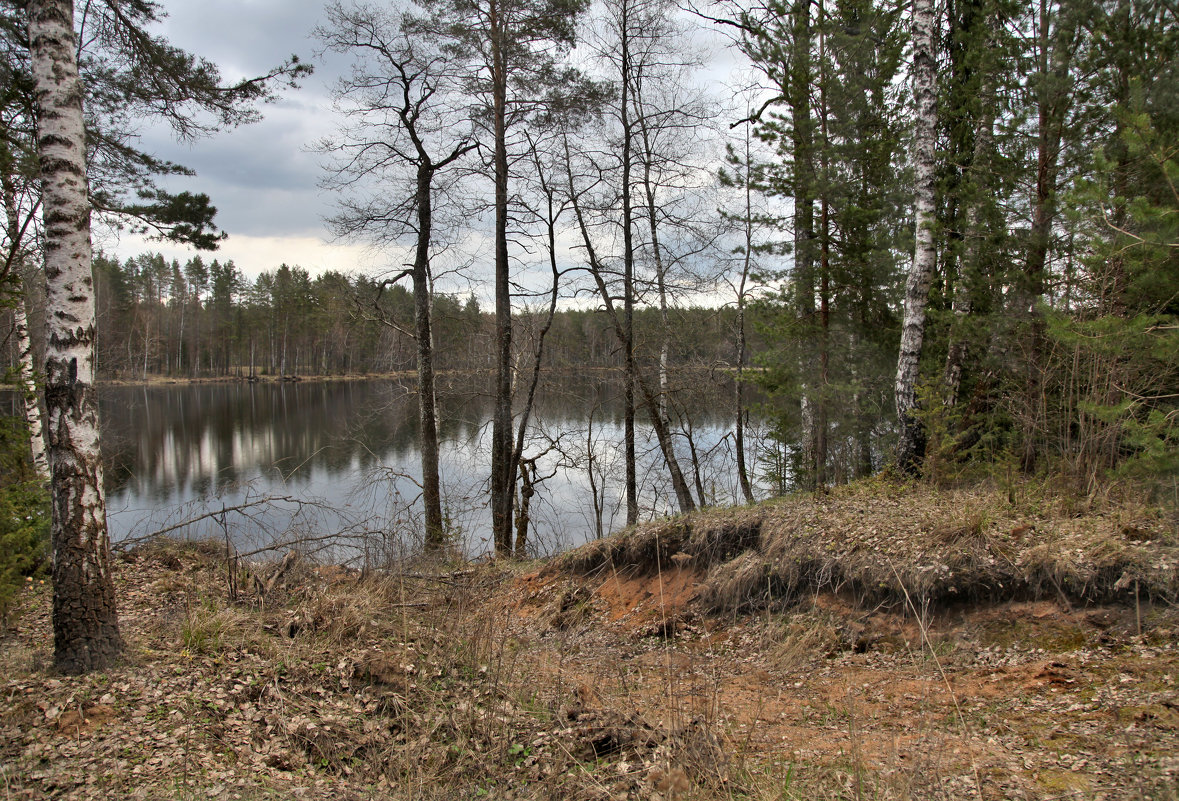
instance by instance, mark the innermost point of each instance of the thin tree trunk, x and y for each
(599, 505)
(739, 382)
(662, 435)
(538, 357)
(657, 254)
(911, 442)
(180, 341)
(821, 412)
(29, 391)
(85, 621)
(628, 266)
(503, 471)
(431, 485)
(1054, 63)
(24, 342)
(969, 270)
(804, 208)
(523, 513)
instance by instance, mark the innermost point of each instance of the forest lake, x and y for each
(335, 464)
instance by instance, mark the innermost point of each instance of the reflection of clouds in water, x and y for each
(348, 450)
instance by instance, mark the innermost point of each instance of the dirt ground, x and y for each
(1015, 700)
(511, 682)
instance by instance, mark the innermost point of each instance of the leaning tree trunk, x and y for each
(911, 444)
(662, 434)
(85, 623)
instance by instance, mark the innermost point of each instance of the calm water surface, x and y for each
(266, 462)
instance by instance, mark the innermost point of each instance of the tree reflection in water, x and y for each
(343, 455)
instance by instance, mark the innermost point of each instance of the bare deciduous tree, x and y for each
(395, 95)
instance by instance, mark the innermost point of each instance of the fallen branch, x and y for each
(284, 566)
(131, 542)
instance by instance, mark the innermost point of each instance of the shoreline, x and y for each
(164, 380)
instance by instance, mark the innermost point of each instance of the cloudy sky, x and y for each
(264, 178)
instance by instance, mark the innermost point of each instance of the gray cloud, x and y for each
(261, 177)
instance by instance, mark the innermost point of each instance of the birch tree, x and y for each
(85, 621)
(20, 218)
(911, 442)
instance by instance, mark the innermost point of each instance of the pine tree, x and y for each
(831, 323)
(512, 50)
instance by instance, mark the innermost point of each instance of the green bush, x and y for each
(24, 515)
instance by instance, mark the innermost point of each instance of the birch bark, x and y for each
(911, 444)
(24, 341)
(24, 344)
(85, 622)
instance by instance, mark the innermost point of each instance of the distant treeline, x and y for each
(207, 319)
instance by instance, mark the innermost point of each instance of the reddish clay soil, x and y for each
(1017, 700)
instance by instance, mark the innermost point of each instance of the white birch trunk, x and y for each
(85, 623)
(911, 442)
(28, 385)
(24, 342)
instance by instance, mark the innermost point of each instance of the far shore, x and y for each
(153, 380)
(167, 380)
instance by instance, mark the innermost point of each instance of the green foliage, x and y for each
(831, 327)
(1123, 343)
(24, 515)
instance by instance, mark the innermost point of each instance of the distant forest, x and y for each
(205, 319)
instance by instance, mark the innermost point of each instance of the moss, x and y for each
(1063, 782)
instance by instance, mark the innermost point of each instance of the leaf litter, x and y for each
(599, 676)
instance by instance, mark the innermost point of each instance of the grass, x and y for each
(880, 542)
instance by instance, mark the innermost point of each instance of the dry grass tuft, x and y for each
(881, 542)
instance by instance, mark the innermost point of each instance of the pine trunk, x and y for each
(628, 281)
(970, 268)
(1053, 98)
(85, 622)
(503, 472)
(802, 126)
